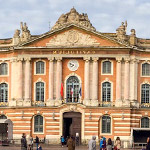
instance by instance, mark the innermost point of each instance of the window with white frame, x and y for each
(145, 93)
(145, 122)
(106, 67)
(39, 91)
(38, 123)
(106, 124)
(3, 69)
(3, 92)
(145, 69)
(40, 67)
(106, 92)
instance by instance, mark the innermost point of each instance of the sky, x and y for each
(105, 15)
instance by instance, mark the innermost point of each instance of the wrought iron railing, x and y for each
(145, 105)
(38, 103)
(3, 104)
(106, 104)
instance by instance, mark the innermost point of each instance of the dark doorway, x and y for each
(72, 124)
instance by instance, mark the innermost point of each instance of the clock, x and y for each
(73, 65)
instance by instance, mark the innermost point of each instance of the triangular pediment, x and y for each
(73, 36)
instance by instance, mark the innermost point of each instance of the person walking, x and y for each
(101, 143)
(92, 143)
(62, 141)
(117, 144)
(109, 144)
(37, 142)
(104, 144)
(23, 142)
(30, 143)
(70, 144)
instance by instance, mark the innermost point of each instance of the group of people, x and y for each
(27, 144)
(105, 145)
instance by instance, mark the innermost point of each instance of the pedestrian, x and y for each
(109, 144)
(92, 143)
(148, 144)
(101, 142)
(77, 139)
(117, 144)
(62, 141)
(37, 142)
(30, 143)
(104, 144)
(23, 142)
(70, 144)
(39, 147)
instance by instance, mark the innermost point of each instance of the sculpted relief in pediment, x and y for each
(73, 38)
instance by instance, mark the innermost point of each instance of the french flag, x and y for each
(71, 92)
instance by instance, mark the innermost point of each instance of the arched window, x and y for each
(106, 68)
(3, 117)
(3, 69)
(106, 124)
(145, 122)
(106, 92)
(145, 93)
(38, 123)
(40, 67)
(39, 91)
(3, 92)
(72, 89)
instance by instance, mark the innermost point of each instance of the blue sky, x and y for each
(105, 15)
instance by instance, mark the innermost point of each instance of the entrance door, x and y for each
(72, 124)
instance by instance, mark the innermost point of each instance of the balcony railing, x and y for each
(107, 104)
(38, 103)
(3, 104)
(145, 105)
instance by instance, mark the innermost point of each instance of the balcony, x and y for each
(106, 104)
(145, 105)
(39, 104)
(3, 104)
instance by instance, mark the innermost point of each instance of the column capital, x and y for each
(19, 59)
(95, 59)
(119, 59)
(13, 60)
(127, 59)
(58, 58)
(27, 58)
(50, 59)
(134, 60)
(86, 59)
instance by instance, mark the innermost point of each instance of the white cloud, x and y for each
(105, 15)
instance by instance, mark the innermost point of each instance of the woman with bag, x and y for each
(117, 144)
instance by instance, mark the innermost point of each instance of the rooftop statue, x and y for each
(73, 17)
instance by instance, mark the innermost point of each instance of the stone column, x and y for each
(87, 81)
(133, 82)
(94, 101)
(126, 82)
(27, 82)
(19, 94)
(50, 101)
(118, 82)
(58, 80)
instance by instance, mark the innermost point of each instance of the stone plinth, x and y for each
(12, 103)
(58, 102)
(50, 103)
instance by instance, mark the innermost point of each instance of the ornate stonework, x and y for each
(73, 38)
(73, 17)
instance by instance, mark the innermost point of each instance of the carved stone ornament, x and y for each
(73, 38)
(73, 17)
(72, 107)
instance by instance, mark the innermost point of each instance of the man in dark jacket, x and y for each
(23, 142)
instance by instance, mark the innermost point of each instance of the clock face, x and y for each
(73, 65)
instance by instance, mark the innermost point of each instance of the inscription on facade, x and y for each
(73, 52)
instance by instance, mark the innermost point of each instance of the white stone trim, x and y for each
(112, 66)
(39, 80)
(4, 61)
(80, 82)
(146, 61)
(107, 80)
(44, 67)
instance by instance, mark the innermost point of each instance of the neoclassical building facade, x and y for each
(74, 79)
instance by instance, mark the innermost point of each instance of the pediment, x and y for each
(73, 37)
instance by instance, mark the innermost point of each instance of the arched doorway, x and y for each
(72, 124)
(72, 89)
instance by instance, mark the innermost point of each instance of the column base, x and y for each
(135, 104)
(12, 103)
(19, 102)
(118, 103)
(94, 103)
(27, 102)
(126, 103)
(58, 102)
(87, 102)
(50, 102)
